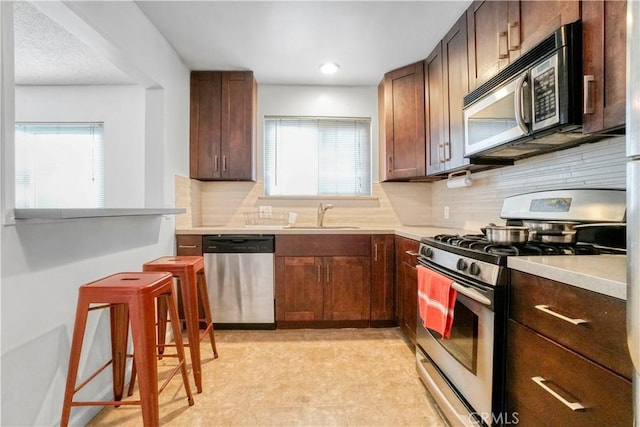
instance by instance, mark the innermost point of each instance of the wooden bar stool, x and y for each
(189, 270)
(129, 296)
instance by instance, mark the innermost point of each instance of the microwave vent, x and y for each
(561, 37)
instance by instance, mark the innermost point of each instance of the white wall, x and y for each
(121, 108)
(42, 265)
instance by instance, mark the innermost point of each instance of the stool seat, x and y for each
(131, 297)
(193, 293)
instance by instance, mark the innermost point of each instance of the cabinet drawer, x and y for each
(189, 244)
(602, 338)
(323, 245)
(408, 251)
(607, 397)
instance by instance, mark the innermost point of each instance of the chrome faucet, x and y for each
(322, 209)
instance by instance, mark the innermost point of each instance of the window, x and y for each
(307, 156)
(59, 165)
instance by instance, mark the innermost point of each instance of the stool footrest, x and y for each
(107, 402)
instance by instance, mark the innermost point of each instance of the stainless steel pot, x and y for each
(561, 232)
(506, 234)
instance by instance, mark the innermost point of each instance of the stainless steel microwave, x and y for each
(533, 105)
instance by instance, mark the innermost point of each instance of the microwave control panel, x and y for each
(544, 82)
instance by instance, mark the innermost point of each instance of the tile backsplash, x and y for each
(597, 165)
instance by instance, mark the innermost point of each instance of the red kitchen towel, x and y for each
(436, 300)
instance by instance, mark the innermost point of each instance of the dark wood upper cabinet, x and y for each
(604, 64)
(500, 31)
(487, 23)
(446, 84)
(403, 113)
(222, 125)
(533, 21)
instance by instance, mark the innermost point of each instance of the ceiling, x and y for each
(283, 42)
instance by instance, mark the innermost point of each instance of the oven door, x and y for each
(466, 359)
(498, 117)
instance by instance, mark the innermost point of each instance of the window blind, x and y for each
(59, 165)
(317, 156)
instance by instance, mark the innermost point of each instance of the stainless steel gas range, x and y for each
(465, 373)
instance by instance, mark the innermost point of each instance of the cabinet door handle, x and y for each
(545, 309)
(375, 252)
(510, 36)
(187, 246)
(390, 163)
(443, 157)
(224, 163)
(328, 268)
(574, 406)
(447, 151)
(501, 35)
(216, 163)
(587, 99)
(319, 273)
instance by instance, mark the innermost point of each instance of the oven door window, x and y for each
(463, 342)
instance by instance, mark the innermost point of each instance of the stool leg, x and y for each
(119, 333)
(74, 358)
(175, 326)
(142, 315)
(204, 300)
(189, 288)
(162, 324)
(132, 383)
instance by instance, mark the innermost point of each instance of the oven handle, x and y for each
(471, 293)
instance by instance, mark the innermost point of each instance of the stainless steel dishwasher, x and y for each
(240, 280)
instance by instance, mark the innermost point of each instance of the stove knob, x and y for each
(474, 269)
(461, 265)
(427, 252)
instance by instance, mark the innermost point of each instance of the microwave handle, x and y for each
(518, 104)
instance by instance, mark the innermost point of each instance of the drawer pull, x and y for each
(411, 253)
(545, 309)
(187, 246)
(574, 406)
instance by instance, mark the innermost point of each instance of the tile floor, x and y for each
(304, 377)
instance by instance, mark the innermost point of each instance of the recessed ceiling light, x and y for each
(329, 68)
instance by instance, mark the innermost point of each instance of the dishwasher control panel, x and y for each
(238, 243)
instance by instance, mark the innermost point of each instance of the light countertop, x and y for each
(410, 232)
(605, 274)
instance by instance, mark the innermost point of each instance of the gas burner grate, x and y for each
(479, 243)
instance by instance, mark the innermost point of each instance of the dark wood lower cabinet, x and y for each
(189, 244)
(567, 376)
(347, 283)
(567, 359)
(323, 281)
(382, 280)
(299, 292)
(407, 286)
